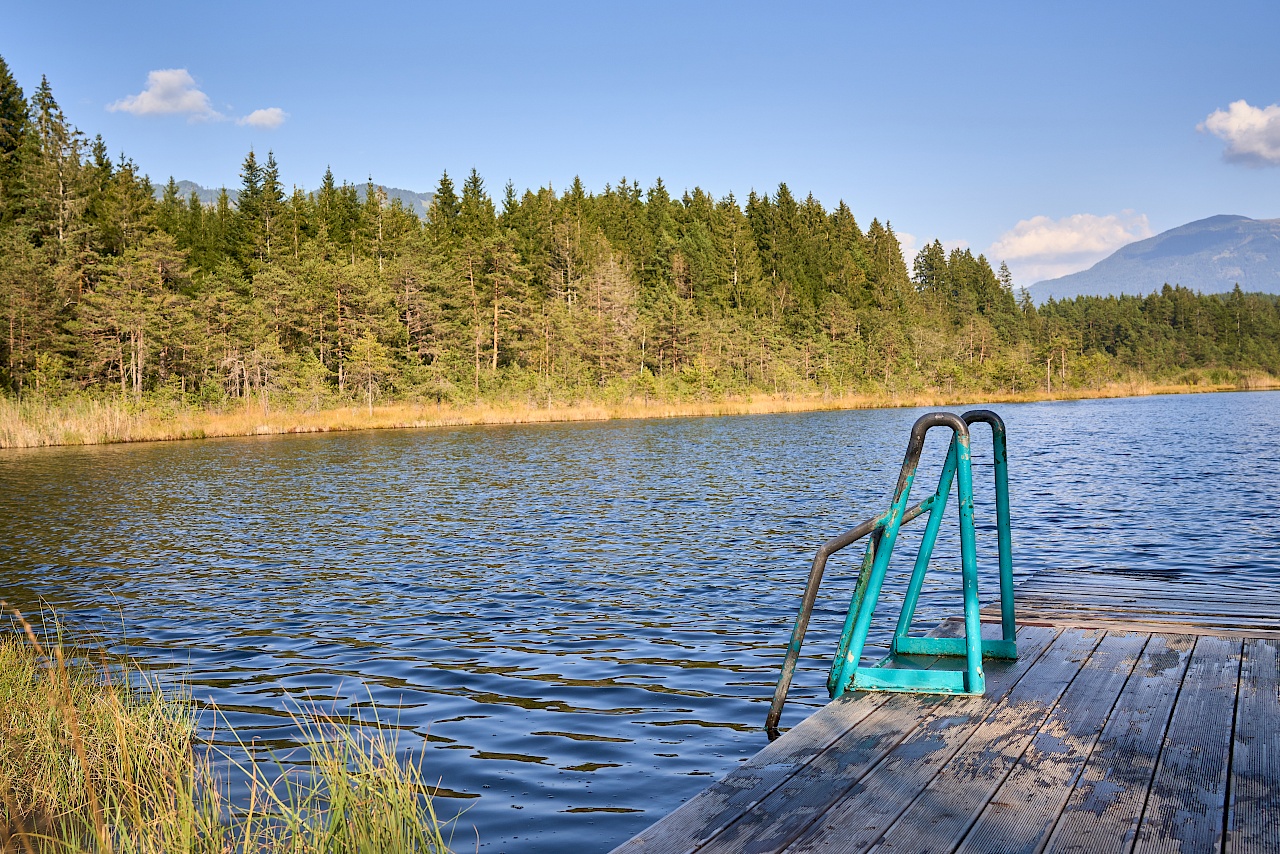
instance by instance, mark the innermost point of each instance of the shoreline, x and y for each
(92, 422)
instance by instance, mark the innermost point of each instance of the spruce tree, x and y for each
(13, 127)
(1005, 278)
(326, 204)
(249, 237)
(272, 202)
(50, 185)
(172, 208)
(442, 216)
(476, 218)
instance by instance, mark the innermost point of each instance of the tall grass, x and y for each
(99, 759)
(82, 420)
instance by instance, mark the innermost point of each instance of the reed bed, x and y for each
(89, 421)
(97, 758)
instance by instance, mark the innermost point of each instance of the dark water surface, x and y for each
(584, 622)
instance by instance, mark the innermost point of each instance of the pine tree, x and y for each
(272, 203)
(476, 218)
(369, 364)
(127, 320)
(443, 214)
(931, 274)
(13, 127)
(50, 193)
(172, 208)
(299, 219)
(510, 202)
(327, 205)
(250, 203)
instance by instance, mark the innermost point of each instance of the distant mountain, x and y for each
(206, 195)
(416, 202)
(1210, 255)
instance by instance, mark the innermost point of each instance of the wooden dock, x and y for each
(1140, 715)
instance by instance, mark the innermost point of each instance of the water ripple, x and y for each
(580, 625)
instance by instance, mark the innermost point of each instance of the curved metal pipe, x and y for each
(909, 463)
(1004, 537)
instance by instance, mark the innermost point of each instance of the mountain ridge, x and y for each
(1210, 255)
(414, 201)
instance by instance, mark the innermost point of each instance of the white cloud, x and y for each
(1252, 134)
(1043, 248)
(269, 118)
(169, 91)
(910, 245)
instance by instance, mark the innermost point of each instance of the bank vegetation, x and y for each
(127, 312)
(96, 757)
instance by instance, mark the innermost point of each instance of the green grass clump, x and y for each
(92, 763)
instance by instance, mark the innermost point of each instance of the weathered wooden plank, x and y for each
(1102, 811)
(711, 809)
(941, 813)
(1223, 605)
(1172, 626)
(1185, 808)
(859, 818)
(1202, 605)
(1147, 590)
(1151, 626)
(1148, 581)
(1253, 820)
(1047, 761)
(1175, 595)
(1140, 580)
(785, 813)
(1228, 627)
(1022, 811)
(725, 800)
(1240, 621)
(1194, 601)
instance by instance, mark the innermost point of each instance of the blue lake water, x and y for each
(578, 627)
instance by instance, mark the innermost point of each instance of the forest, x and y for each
(290, 298)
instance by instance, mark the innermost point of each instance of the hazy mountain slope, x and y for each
(1210, 255)
(416, 202)
(206, 195)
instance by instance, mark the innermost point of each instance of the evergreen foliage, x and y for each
(309, 298)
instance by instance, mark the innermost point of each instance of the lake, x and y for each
(579, 626)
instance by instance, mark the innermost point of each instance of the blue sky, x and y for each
(1044, 134)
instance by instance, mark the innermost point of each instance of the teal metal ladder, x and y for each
(847, 672)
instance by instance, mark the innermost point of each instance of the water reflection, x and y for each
(580, 624)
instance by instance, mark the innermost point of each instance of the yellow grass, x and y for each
(92, 764)
(29, 424)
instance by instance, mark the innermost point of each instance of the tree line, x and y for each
(310, 298)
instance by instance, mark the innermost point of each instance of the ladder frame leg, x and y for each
(972, 679)
(1008, 619)
(927, 541)
(975, 682)
(1006, 647)
(846, 674)
(1000, 455)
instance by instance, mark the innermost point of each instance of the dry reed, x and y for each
(80, 421)
(99, 759)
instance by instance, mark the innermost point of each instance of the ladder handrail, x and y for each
(876, 525)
